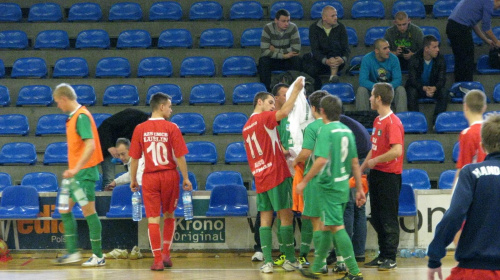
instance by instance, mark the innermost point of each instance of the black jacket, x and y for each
(416, 68)
(324, 47)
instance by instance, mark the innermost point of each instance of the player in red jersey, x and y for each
(164, 148)
(273, 180)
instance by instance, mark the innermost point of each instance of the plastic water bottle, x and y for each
(405, 253)
(136, 206)
(420, 253)
(188, 205)
(64, 195)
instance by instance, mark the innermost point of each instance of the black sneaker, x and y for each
(360, 259)
(332, 257)
(375, 262)
(388, 264)
(309, 274)
(350, 276)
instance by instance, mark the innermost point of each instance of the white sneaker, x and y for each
(94, 261)
(289, 266)
(135, 253)
(258, 257)
(117, 254)
(68, 258)
(267, 268)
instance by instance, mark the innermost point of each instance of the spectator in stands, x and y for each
(404, 37)
(465, 17)
(427, 77)
(122, 147)
(329, 47)
(377, 66)
(280, 47)
(121, 124)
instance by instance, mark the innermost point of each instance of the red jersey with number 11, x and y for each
(161, 142)
(264, 153)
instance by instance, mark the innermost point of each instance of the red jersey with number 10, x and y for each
(388, 131)
(263, 148)
(161, 142)
(469, 149)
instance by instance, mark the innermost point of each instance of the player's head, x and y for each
(382, 94)
(315, 99)
(490, 133)
(475, 102)
(161, 103)
(331, 107)
(122, 145)
(279, 93)
(263, 101)
(65, 97)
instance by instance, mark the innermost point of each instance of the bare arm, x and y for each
(356, 172)
(181, 162)
(395, 151)
(87, 154)
(288, 106)
(319, 163)
(365, 163)
(302, 156)
(134, 163)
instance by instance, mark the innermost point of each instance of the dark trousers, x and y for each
(463, 49)
(384, 202)
(267, 64)
(314, 68)
(441, 97)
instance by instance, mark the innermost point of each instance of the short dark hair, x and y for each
(277, 88)
(315, 98)
(490, 133)
(260, 95)
(385, 91)
(428, 39)
(332, 106)
(157, 99)
(281, 12)
(122, 141)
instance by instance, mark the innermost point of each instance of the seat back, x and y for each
(431, 30)
(425, 150)
(222, 178)
(452, 121)
(231, 122)
(128, 11)
(352, 36)
(246, 10)
(93, 38)
(189, 123)
(56, 153)
(197, 66)
(208, 94)
(235, 153)
(45, 12)
(201, 152)
(85, 12)
(5, 180)
(443, 8)
(85, 94)
(11, 12)
(414, 8)
(239, 66)
(172, 90)
(137, 38)
(14, 124)
(413, 122)
(407, 205)
(245, 93)
(344, 91)
(446, 179)
(496, 93)
(18, 153)
(367, 9)
(121, 95)
(113, 67)
(293, 7)
(99, 118)
(165, 10)
(318, 6)
(216, 37)
(416, 178)
(483, 66)
(52, 39)
(251, 37)
(71, 67)
(456, 152)
(304, 36)
(205, 10)
(37, 95)
(374, 33)
(121, 202)
(4, 96)
(175, 38)
(29, 67)
(19, 202)
(356, 60)
(155, 67)
(192, 178)
(228, 200)
(42, 181)
(13, 39)
(51, 124)
(450, 63)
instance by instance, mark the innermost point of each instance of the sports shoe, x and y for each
(303, 261)
(157, 266)
(94, 261)
(167, 262)
(340, 267)
(267, 268)
(135, 253)
(350, 276)
(306, 272)
(332, 257)
(117, 254)
(376, 262)
(360, 258)
(280, 260)
(324, 270)
(388, 264)
(291, 266)
(68, 258)
(258, 257)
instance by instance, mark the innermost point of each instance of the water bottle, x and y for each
(420, 253)
(188, 205)
(136, 206)
(64, 195)
(405, 253)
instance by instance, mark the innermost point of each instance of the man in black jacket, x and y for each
(329, 47)
(427, 77)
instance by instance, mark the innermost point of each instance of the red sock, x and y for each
(155, 240)
(168, 235)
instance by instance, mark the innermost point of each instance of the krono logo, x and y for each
(41, 226)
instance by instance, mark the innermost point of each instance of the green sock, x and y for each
(95, 229)
(288, 248)
(317, 241)
(306, 235)
(278, 234)
(266, 243)
(70, 232)
(345, 249)
(322, 250)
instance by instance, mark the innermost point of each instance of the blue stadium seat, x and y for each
(223, 178)
(431, 30)
(344, 91)
(496, 93)
(205, 10)
(71, 67)
(18, 153)
(56, 153)
(137, 38)
(446, 179)
(246, 10)
(19, 202)
(483, 66)
(407, 206)
(45, 12)
(251, 37)
(92, 38)
(14, 124)
(11, 12)
(356, 60)
(453, 121)
(228, 200)
(155, 67)
(85, 12)
(99, 187)
(190, 123)
(374, 33)
(100, 117)
(207, 93)
(416, 178)
(414, 8)
(42, 181)
(201, 152)
(239, 66)
(455, 152)
(216, 37)
(367, 9)
(293, 7)
(175, 38)
(235, 153)
(231, 122)
(13, 39)
(173, 90)
(85, 94)
(2, 69)
(304, 36)
(125, 11)
(121, 95)
(121, 202)
(413, 122)
(425, 150)
(318, 6)
(29, 67)
(165, 10)
(51, 124)
(443, 8)
(5, 180)
(476, 39)
(52, 39)
(352, 36)
(450, 63)
(197, 66)
(113, 67)
(458, 88)
(37, 95)
(496, 30)
(244, 93)
(191, 177)
(4, 96)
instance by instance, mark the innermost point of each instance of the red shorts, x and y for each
(160, 192)
(458, 273)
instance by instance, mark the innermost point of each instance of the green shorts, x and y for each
(277, 198)
(312, 197)
(332, 212)
(87, 179)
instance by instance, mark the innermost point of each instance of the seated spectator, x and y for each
(380, 65)
(122, 147)
(427, 77)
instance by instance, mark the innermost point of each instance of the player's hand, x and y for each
(299, 84)
(110, 186)
(299, 189)
(113, 152)
(360, 198)
(69, 173)
(371, 163)
(432, 271)
(272, 48)
(187, 185)
(134, 186)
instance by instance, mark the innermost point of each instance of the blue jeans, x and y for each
(355, 224)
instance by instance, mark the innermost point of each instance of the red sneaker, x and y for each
(167, 262)
(157, 266)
